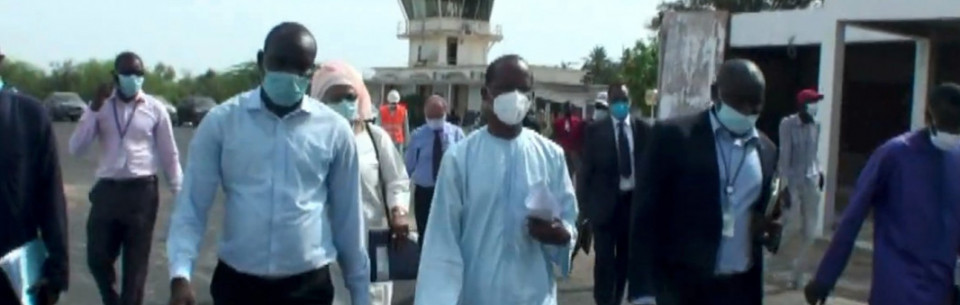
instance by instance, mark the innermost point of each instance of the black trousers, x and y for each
(122, 216)
(7, 294)
(231, 287)
(422, 196)
(681, 288)
(611, 242)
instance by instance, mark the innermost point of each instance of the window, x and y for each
(452, 44)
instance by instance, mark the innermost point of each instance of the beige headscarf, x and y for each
(336, 72)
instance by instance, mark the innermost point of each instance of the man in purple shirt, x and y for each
(911, 183)
(424, 152)
(134, 133)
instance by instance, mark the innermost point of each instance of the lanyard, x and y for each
(116, 118)
(728, 180)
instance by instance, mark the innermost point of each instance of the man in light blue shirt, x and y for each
(288, 167)
(423, 155)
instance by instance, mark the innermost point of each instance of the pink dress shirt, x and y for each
(148, 139)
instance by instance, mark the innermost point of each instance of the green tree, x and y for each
(26, 77)
(600, 68)
(640, 70)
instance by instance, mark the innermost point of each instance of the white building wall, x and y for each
(474, 98)
(433, 50)
(808, 26)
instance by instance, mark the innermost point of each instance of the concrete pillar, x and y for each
(828, 152)
(924, 74)
(383, 94)
(451, 103)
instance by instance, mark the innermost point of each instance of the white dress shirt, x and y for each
(626, 184)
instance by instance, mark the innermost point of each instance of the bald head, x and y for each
(741, 85)
(289, 48)
(435, 107)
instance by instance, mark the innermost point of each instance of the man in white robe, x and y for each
(484, 246)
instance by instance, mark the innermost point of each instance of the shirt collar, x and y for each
(718, 129)
(626, 121)
(254, 102)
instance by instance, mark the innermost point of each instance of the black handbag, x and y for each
(399, 259)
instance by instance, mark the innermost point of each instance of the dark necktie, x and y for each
(623, 150)
(437, 152)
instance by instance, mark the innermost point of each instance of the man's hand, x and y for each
(399, 227)
(45, 293)
(103, 93)
(548, 232)
(815, 294)
(181, 293)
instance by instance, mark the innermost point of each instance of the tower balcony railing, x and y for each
(448, 26)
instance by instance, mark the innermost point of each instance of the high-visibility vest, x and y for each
(393, 121)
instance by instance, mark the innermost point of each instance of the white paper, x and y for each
(22, 267)
(541, 203)
(728, 224)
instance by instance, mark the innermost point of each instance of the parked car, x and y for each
(64, 106)
(192, 109)
(171, 110)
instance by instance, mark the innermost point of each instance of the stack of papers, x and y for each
(542, 204)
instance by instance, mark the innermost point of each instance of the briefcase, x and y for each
(392, 261)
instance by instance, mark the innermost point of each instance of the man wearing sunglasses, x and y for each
(290, 171)
(134, 134)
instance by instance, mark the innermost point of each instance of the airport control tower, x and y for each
(448, 32)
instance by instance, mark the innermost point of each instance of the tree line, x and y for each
(162, 79)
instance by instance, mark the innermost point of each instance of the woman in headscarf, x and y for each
(382, 172)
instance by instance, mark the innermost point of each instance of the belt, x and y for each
(131, 180)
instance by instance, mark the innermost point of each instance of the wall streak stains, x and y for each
(692, 49)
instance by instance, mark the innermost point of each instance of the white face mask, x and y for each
(435, 123)
(599, 115)
(812, 109)
(511, 107)
(945, 141)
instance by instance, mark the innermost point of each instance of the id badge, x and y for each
(728, 224)
(121, 158)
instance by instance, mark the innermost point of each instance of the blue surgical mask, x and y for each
(284, 89)
(735, 121)
(129, 85)
(346, 108)
(435, 124)
(620, 109)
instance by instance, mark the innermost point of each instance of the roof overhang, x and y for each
(936, 29)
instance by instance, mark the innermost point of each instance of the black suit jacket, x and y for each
(598, 181)
(676, 221)
(32, 202)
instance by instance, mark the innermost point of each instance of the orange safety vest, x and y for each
(393, 121)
